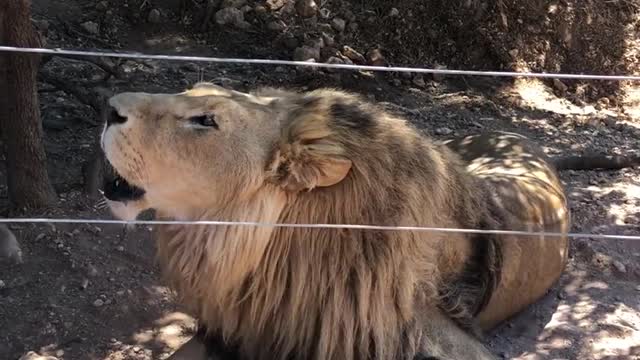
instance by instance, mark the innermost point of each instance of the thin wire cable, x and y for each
(130, 55)
(317, 226)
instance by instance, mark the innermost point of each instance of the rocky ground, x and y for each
(92, 292)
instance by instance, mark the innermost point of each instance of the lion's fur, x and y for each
(320, 157)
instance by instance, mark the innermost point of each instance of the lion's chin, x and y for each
(127, 210)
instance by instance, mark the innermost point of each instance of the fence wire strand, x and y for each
(132, 55)
(317, 226)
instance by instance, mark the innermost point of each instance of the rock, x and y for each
(396, 82)
(92, 271)
(9, 247)
(610, 122)
(246, 9)
(513, 53)
(260, 10)
(2, 284)
(334, 60)
(328, 39)
(620, 267)
(102, 6)
(439, 77)
(353, 55)
(233, 4)
(274, 5)
(290, 41)
(603, 103)
(155, 17)
(231, 16)
(325, 13)
(418, 81)
(317, 43)
(32, 355)
(560, 86)
(338, 24)
(394, 12)
(277, 25)
(90, 27)
(306, 53)
(306, 8)
(375, 58)
(444, 131)
(98, 303)
(353, 27)
(42, 25)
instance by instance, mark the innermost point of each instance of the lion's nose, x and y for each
(113, 117)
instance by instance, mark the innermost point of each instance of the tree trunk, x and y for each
(20, 124)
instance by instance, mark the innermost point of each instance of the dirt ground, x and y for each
(93, 292)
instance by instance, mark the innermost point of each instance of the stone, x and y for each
(260, 10)
(328, 39)
(9, 247)
(231, 16)
(620, 267)
(155, 17)
(98, 303)
(338, 24)
(277, 25)
(90, 27)
(353, 55)
(334, 60)
(274, 5)
(317, 43)
(325, 13)
(306, 8)
(290, 41)
(375, 58)
(418, 80)
(439, 77)
(306, 53)
(102, 6)
(560, 86)
(233, 4)
(444, 131)
(394, 12)
(32, 355)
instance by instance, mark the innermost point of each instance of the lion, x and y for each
(326, 156)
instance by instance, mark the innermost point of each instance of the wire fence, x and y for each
(241, 61)
(131, 55)
(319, 226)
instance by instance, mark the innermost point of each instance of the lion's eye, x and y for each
(206, 120)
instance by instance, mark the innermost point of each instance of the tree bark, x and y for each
(20, 124)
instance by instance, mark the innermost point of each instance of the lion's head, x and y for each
(200, 149)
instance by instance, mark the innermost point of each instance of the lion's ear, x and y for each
(308, 156)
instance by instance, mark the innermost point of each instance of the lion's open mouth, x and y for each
(116, 187)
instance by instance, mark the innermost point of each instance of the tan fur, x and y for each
(324, 157)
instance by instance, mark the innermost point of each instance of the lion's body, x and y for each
(328, 157)
(531, 198)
